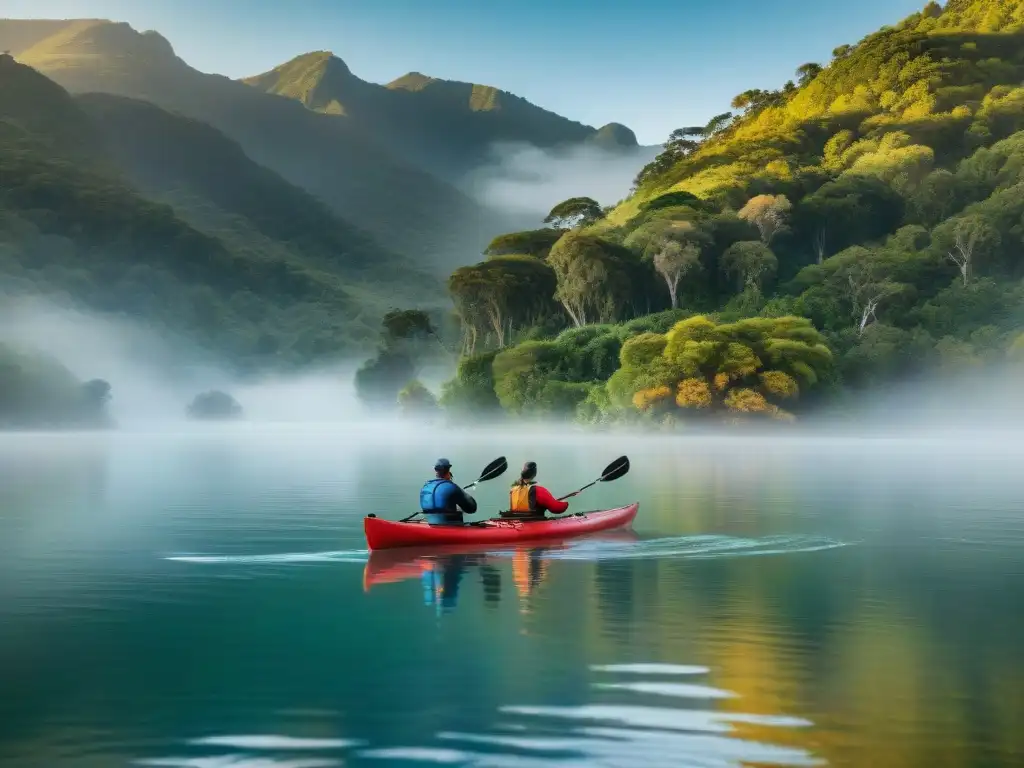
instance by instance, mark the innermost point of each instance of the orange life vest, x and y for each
(522, 499)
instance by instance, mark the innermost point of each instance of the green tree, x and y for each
(851, 209)
(672, 260)
(534, 242)
(751, 262)
(964, 239)
(501, 293)
(471, 391)
(415, 400)
(807, 72)
(36, 391)
(401, 327)
(379, 380)
(592, 275)
(214, 405)
(574, 212)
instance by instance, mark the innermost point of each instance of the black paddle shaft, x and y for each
(613, 471)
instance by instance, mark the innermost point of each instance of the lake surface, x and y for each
(204, 599)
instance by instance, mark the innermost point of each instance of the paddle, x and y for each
(495, 469)
(613, 471)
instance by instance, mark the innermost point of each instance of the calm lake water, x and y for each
(204, 599)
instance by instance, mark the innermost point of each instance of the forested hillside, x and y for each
(118, 207)
(861, 225)
(402, 206)
(445, 126)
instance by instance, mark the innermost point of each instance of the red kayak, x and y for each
(388, 534)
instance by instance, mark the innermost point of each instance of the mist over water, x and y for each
(154, 376)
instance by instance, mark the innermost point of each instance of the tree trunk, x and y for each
(568, 309)
(673, 287)
(498, 324)
(819, 244)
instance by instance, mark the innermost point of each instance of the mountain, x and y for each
(403, 206)
(117, 206)
(443, 125)
(937, 74)
(857, 230)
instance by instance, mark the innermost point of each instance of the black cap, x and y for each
(529, 470)
(442, 464)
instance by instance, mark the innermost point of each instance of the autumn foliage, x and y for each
(743, 369)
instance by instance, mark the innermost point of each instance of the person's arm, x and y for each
(548, 502)
(466, 502)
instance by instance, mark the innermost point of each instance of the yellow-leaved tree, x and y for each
(749, 368)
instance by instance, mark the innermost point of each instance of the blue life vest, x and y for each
(436, 496)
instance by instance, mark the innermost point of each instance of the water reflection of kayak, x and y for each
(389, 566)
(389, 534)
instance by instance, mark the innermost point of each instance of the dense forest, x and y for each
(860, 226)
(116, 206)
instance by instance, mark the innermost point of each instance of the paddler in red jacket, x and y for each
(527, 500)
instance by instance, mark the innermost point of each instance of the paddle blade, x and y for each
(494, 469)
(615, 470)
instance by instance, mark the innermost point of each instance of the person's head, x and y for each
(443, 468)
(529, 471)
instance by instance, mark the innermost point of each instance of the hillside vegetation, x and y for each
(223, 252)
(860, 226)
(445, 126)
(37, 391)
(403, 206)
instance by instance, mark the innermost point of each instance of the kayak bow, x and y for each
(388, 534)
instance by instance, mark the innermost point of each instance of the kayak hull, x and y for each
(389, 534)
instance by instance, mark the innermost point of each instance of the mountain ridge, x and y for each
(164, 219)
(447, 126)
(404, 206)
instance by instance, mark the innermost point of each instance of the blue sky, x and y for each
(652, 64)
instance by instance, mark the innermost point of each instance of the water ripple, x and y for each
(234, 761)
(271, 741)
(342, 556)
(699, 547)
(614, 735)
(650, 669)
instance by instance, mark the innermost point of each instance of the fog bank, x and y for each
(525, 179)
(154, 376)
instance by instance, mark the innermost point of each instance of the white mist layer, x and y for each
(154, 377)
(526, 179)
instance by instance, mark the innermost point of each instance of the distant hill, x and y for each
(405, 207)
(443, 125)
(117, 206)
